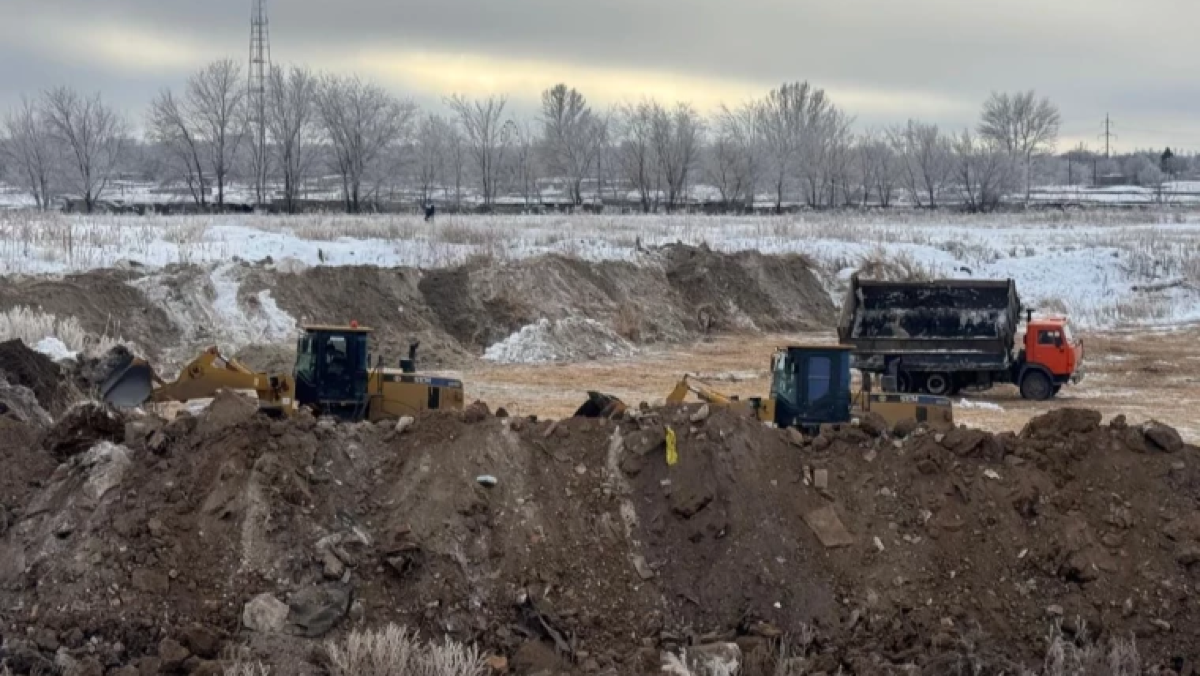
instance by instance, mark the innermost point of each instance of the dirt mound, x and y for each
(584, 539)
(102, 301)
(22, 366)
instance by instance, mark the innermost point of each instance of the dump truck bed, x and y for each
(938, 325)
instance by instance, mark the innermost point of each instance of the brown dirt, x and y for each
(592, 545)
(22, 366)
(103, 302)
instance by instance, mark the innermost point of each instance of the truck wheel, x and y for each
(1036, 386)
(939, 384)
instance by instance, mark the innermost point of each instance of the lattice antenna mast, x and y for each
(260, 67)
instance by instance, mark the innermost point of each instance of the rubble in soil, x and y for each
(574, 546)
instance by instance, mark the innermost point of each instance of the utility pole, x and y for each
(260, 65)
(1107, 136)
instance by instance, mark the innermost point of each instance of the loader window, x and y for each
(306, 360)
(783, 382)
(820, 374)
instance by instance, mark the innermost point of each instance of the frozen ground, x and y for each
(1105, 268)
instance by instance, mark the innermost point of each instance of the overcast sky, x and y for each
(882, 60)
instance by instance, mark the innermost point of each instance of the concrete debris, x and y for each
(265, 614)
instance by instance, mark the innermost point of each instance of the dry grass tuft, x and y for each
(394, 651)
(31, 326)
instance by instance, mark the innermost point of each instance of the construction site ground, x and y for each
(1141, 374)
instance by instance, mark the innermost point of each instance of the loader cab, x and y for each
(811, 385)
(332, 365)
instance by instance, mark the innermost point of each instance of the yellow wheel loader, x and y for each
(333, 376)
(811, 385)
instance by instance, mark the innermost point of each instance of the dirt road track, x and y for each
(1153, 375)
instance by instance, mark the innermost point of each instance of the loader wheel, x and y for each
(1036, 386)
(939, 384)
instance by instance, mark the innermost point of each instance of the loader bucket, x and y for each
(600, 405)
(129, 384)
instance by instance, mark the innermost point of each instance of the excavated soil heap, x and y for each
(22, 366)
(577, 541)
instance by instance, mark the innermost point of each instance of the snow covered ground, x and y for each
(1105, 268)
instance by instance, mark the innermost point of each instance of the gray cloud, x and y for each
(882, 58)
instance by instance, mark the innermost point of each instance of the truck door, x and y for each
(1051, 350)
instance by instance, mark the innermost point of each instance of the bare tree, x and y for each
(1021, 124)
(169, 124)
(486, 137)
(361, 121)
(29, 152)
(877, 168)
(572, 135)
(432, 140)
(789, 117)
(92, 136)
(675, 135)
(734, 165)
(525, 162)
(635, 152)
(215, 97)
(291, 122)
(984, 170)
(924, 156)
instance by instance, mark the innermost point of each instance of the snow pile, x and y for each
(55, 349)
(979, 405)
(565, 340)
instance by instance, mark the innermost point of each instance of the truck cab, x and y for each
(1052, 357)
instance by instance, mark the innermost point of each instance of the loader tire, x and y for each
(1036, 386)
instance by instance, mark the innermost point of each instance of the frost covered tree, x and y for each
(675, 135)
(292, 126)
(984, 170)
(362, 122)
(877, 168)
(788, 121)
(571, 137)
(924, 155)
(635, 152)
(1023, 125)
(28, 151)
(430, 149)
(733, 164)
(90, 135)
(524, 168)
(486, 137)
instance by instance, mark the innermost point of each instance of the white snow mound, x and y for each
(55, 349)
(563, 340)
(980, 405)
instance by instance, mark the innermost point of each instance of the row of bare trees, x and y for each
(793, 144)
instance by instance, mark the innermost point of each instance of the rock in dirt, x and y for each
(82, 428)
(202, 641)
(265, 614)
(1163, 438)
(873, 424)
(713, 659)
(21, 403)
(644, 441)
(701, 414)
(172, 654)
(905, 427)
(314, 611)
(476, 413)
(404, 423)
(828, 527)
(1063, 421)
